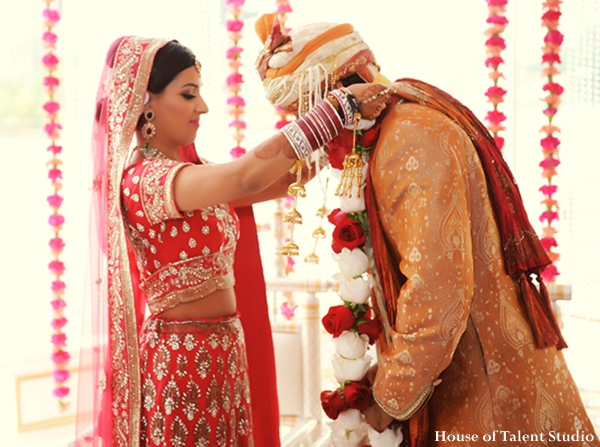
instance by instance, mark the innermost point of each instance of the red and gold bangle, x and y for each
(312, 131)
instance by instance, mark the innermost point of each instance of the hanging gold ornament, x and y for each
(319, 232)
(352, 174)
(293, 217)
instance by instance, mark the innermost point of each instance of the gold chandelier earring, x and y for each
(148, 129)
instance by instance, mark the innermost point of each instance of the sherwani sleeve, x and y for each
(421, 182)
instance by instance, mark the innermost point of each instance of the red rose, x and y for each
(370, 328)
(347, 234)
(338, 320)
(357, 395)
(339, 147)
(336, 216)
(333, 403)
(369, 137)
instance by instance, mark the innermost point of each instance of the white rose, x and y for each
(387, 438)
(353, 204)
(355, 290)
(350, 369)
(351, 345)
(352, 262)
(349, 429)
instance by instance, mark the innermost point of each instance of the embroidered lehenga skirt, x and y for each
(195, 389)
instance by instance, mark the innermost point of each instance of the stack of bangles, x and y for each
(321, 124)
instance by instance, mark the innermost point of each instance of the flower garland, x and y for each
(494, 46)
(60, 357)
(235, 79)
(353, 324)
(551, 56)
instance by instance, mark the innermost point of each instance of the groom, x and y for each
(470, 344)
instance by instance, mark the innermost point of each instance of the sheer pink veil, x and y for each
(108, 401)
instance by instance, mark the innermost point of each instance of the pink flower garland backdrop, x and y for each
(235, 79)
(60, 357)
(553, 91)
(495, 44)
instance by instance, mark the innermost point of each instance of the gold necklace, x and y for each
(151, 152)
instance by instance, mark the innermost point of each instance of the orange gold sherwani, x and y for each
(462, 349)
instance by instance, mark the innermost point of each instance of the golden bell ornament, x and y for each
(290, 249)
(319, 233)
(293, 217)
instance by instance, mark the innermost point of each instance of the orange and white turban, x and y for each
(297, 69)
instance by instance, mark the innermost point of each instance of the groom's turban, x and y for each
(298, 68)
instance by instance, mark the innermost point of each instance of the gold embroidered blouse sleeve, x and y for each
(420, 179)
(157, 190)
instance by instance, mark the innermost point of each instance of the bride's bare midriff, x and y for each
(218, 304)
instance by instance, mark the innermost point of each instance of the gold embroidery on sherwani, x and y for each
(485, 414)
(202, 433)
(546, 413)
(514, 327)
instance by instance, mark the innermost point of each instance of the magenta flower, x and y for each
(496, 117)
(234, 52)
(54, 174)
(235, 79)
(496, 41)
(235, 2)
(58, 339)
(54, 149)
(60, 356)
(237, 152)
(548, 243)
(495, 91)
(51, 81)
(55, 201)
(58, 323)
(550, 111)
(550, 273)
(56, 267)
(57, 286)
(550, 142)
(51, 15)
(56, 220)
(497, 20)
(497, 2)
(61, 375)
(50, 60)
(236, 100)
(235, 25)
(554, 88)
(287, 311)
(548, 190)
(549, 216)
(281, 123)
(61, 392)
(493, 62)
(51, 129)
(551, 16)
(554, 37)
(238, 123)
(51, 107)
(551, 58)
(56, 243)
(284, 8)
(49, 38)
(549, 163)
(58, 304)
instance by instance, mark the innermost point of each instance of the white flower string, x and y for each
(352, 324)
(60, 356)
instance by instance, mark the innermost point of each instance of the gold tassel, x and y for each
(319, 233)
(293, 217)
(352, 174)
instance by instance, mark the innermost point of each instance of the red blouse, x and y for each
(181, 257)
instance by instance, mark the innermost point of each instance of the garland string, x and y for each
(60, 356)
(550, 59)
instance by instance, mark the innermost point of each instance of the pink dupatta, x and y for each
(109, 402)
